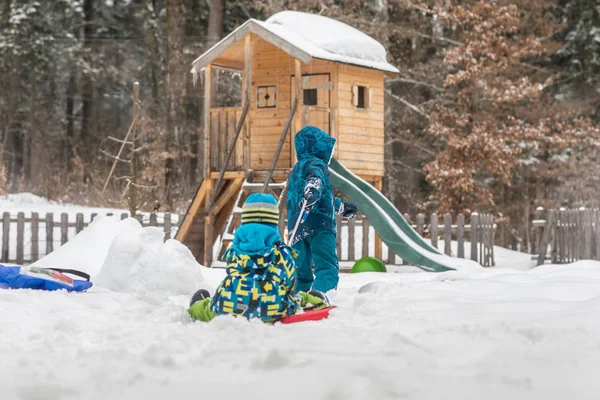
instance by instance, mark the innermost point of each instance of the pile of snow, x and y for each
(328, 39)
(138, 261)
(122, 256)
(86, 251)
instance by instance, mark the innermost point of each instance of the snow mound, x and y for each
(328, 39)
(139, 262)
(24, 199)
(86, 251)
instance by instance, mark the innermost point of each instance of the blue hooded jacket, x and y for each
(261, 276)
(314, 149)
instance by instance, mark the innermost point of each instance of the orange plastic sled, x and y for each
(311, 315)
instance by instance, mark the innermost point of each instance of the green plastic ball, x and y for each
(369, 264)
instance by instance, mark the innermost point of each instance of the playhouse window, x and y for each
(310, 97)
(266, 96)
(360, 96)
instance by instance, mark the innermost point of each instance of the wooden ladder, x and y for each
(250, 185)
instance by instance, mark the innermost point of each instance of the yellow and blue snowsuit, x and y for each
(261, 276)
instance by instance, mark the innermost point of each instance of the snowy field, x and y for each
(508, 332)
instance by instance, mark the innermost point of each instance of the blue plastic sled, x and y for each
(30, 277)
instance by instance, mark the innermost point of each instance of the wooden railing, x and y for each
(223, 122)
(356, 238)
(26, 237)
(567, 235)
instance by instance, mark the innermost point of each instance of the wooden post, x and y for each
(35, 252)
(64, 228)
(474, 235)
(447, 234)
(351, 240)
(543, 249)
(167, 226)
(78, 222)
(433, 229)
(246, 96)
(587, 218)
(5, 236)
(208, 229)
(460, 236)
(378, 242)
(338, 238)
(539, 214)
(597, 235)
(365, 238)
(300, 96)
(49, 233)
(420, 224)
(207, 106)
(153, 221)
(133, 161)
(20, 236)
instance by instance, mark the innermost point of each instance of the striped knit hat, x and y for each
(260, 208)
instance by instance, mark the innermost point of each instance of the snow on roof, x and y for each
(328, 39)
(309, 35)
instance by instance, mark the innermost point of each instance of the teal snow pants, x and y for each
(319, 249)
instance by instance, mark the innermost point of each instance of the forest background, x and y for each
(496, 108)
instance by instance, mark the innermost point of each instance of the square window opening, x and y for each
(310, 97)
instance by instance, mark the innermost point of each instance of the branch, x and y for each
(113, 157)
(114, 139)
(406, 103)
(416, 82)
(400, 163)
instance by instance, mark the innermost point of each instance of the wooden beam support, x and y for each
(207, 104)
(246, 91)
(208, 228)
(299, 96)
(191, 213)
(229, 175)
(233, 188)
(378, 243)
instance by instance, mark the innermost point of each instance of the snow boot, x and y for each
(199, 296)
(320, 295)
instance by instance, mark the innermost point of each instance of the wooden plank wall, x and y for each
(272, 66)
(361, 131)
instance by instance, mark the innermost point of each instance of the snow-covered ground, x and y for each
(508, 332)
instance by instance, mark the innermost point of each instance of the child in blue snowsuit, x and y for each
(261, 273)
(315, 237)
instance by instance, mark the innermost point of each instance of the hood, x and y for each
(310, 141)
(255, 239)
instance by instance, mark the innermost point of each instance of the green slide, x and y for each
(390, 225)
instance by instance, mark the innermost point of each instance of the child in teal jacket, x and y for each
(261, 273)
(309, 185)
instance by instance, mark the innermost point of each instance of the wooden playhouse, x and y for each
(296, 69)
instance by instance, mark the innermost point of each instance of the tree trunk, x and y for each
(176, 78)
(87, 87)
(215, 22)
(70, 117)
(152, 37)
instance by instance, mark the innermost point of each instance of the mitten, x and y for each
(349, 211)
(312, 192)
